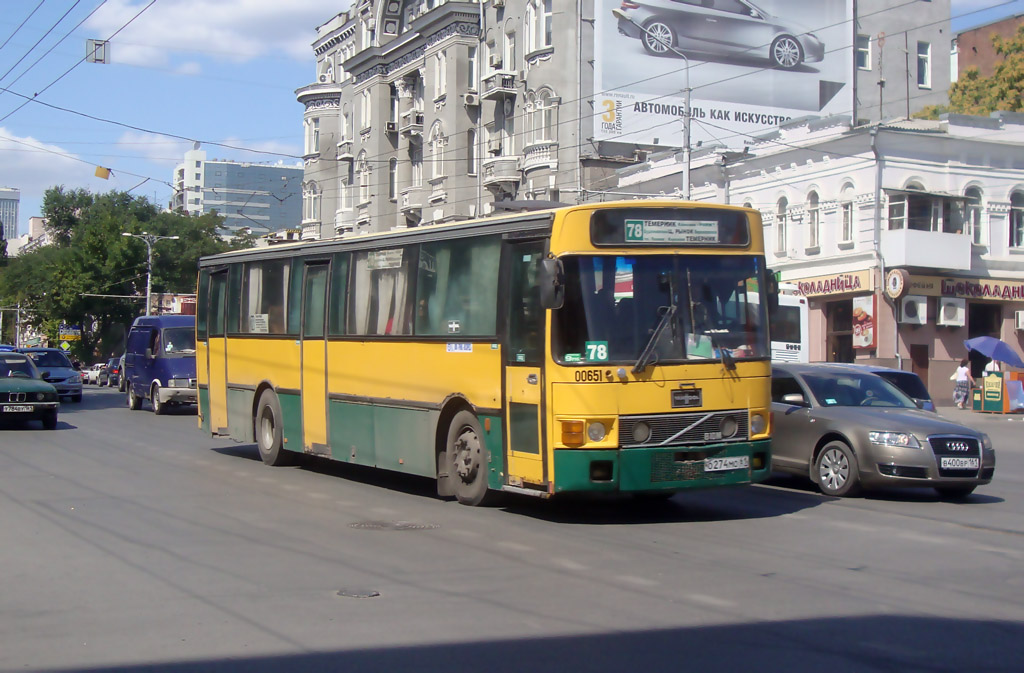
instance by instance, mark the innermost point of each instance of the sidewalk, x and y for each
(970, 418)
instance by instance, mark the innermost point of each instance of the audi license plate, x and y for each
(957, 463)
(728, 463)
(17, 408)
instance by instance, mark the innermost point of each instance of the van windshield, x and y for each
(178, 340)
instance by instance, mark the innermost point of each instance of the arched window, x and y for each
(546, 116)
(846, 205)
(393, 178)
(363, 178)
(437, 143)
(311, 202)
(781, 222)
(1017, 220)
(973, 215)
(813, 221)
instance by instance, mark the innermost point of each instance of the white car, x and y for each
(92, 374)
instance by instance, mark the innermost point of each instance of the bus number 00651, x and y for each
(589, 375)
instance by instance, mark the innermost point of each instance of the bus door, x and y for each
(314, 359)
(217, 358)
(524, 373)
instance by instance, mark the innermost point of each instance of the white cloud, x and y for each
(189, 68)
(231, 30)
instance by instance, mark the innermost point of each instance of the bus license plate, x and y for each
(956, 463)
(17, 408)
(728, 463)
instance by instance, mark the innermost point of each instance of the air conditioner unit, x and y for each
(495, 60)
(390, 127)
(494, 145)
(952, 312)
(914, 310)
(470, 99)
(1018, 320)
(323, 78)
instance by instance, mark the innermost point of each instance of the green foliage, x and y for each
(973, 94)
(89, 256)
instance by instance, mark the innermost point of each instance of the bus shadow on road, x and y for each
(862, 643)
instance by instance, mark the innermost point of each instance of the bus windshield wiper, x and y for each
(645, 354)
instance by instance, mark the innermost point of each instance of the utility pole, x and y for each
(150, 239)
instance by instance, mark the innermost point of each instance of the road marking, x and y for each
(569, 564)
(711, 600)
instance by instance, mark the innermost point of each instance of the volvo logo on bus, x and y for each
(687, 397)
(957, 446)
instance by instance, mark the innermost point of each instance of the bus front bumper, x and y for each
(652, 470)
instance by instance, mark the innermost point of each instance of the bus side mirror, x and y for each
(551, 278)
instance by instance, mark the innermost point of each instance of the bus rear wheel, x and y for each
(467, 459)
(269, 435)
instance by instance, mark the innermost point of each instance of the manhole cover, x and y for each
(392, 525)
(358, 593)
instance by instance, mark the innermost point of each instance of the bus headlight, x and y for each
(596, 431)
(757, 424)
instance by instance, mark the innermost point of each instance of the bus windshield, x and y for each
(711, 306)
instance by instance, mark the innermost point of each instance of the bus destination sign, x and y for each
(672, 231)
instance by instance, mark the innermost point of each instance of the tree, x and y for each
(973, 94)
(59, 283)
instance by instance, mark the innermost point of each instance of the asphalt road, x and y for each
(131, 542)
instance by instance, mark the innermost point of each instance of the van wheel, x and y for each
(154, 399)
(134, 401)
(467, 459)
(269, 436)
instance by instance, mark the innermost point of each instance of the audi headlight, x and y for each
(901, 439)
(986, 441)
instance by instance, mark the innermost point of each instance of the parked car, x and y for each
(111, 372)
(909, 382)
(24, 395)
(724, 28)
(160, 361)
(57, 370)
(846, 429)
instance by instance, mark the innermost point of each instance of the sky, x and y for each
(181, 71)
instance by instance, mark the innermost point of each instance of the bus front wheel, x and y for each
(467, 459)
(269, 436)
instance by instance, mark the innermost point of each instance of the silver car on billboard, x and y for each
(718, 28)
(846, 429)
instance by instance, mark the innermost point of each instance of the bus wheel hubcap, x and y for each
(467, 456)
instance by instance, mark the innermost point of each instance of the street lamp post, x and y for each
(619, 14)
(150, 239)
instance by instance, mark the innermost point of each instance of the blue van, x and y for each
(160, 361)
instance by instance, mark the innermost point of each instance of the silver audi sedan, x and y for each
(847, 429)
(718, 28)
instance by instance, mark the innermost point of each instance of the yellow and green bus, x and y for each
(614, 348)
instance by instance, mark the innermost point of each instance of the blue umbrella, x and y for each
(995, 349)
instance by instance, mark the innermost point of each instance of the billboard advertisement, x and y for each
(749, 67)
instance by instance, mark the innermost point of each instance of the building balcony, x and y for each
(310, 231)
(411, 199)
(499, 86)
(345, 151)
(411, 123)
(540, 155)
(502, 172)
(927, 249)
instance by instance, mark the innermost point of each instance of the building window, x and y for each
(199, 164)
(440, 84)
(363, 177)
(538, 25)
(436, 153)
(813, 220)
(472, 71)
(926, 212)
(1017, 220)
(344, 196)
(393, 93)
(863, 52)
(780, 225)
(315, 142)
(545, 23)
(924, 65)
(393, 179)
(416, 162)
(311, 203)
(847, 232)
(471, 152)
(973, 195)
(364, 110)
(509, 57)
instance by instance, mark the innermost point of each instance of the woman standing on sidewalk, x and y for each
(964, 383)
